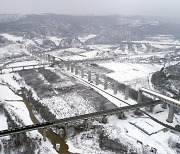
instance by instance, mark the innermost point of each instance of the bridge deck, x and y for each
(73, 119)
(167, 99)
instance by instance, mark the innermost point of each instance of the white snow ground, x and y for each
(12, 37)
(116, 129)
(131, 73)
(85, 38)
(17, 108)
(4, 124)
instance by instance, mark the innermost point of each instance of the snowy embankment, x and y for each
(18, 110)
(3, 120)
(150, 135)
(140, 134)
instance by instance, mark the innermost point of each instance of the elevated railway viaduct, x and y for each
(51, 59)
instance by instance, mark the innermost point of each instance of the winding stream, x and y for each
(53, 137)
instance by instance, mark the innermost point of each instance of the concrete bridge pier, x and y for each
(115, 87)
(44, 134)
(62, 65)
(49, 58)
(164, 105)
(72, 68)
(151, 108)
(171, 114)
(126, 93)
(53, 59)
(89, 76)
(82, 73)
(46, 57)
(97, 79)
(104, 119)
(105, 83)
(85, 123)
(21, 138)
(139, 99)
(68, 66)
(76, 70)
(122, 115)
(65, 130)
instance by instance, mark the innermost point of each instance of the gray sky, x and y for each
(96, 7)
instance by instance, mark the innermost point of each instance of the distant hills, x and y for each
(108, 29)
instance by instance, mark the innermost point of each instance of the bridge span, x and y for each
(168, 100)
(84, 117)
(13, 69)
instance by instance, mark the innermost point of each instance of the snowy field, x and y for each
(141, 129)
(151, 136)
(12, 37)
(128, 73)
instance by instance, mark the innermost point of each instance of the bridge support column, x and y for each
(171, 114)
(126, 93)
(97, 79)
(122, 115)
(21, 138)
(104, 119)
(151, 108)
(53, 59)
(76, 70)
(62, 64)
(49, 58)
(139, 99)
(105, 83)
(68, 66)
(115, 87)
(85, 123)
(89, 76)
(65, 130)
(44, 134)
(82, 73)
(164, 105)
(46, 57)
(72, 68)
